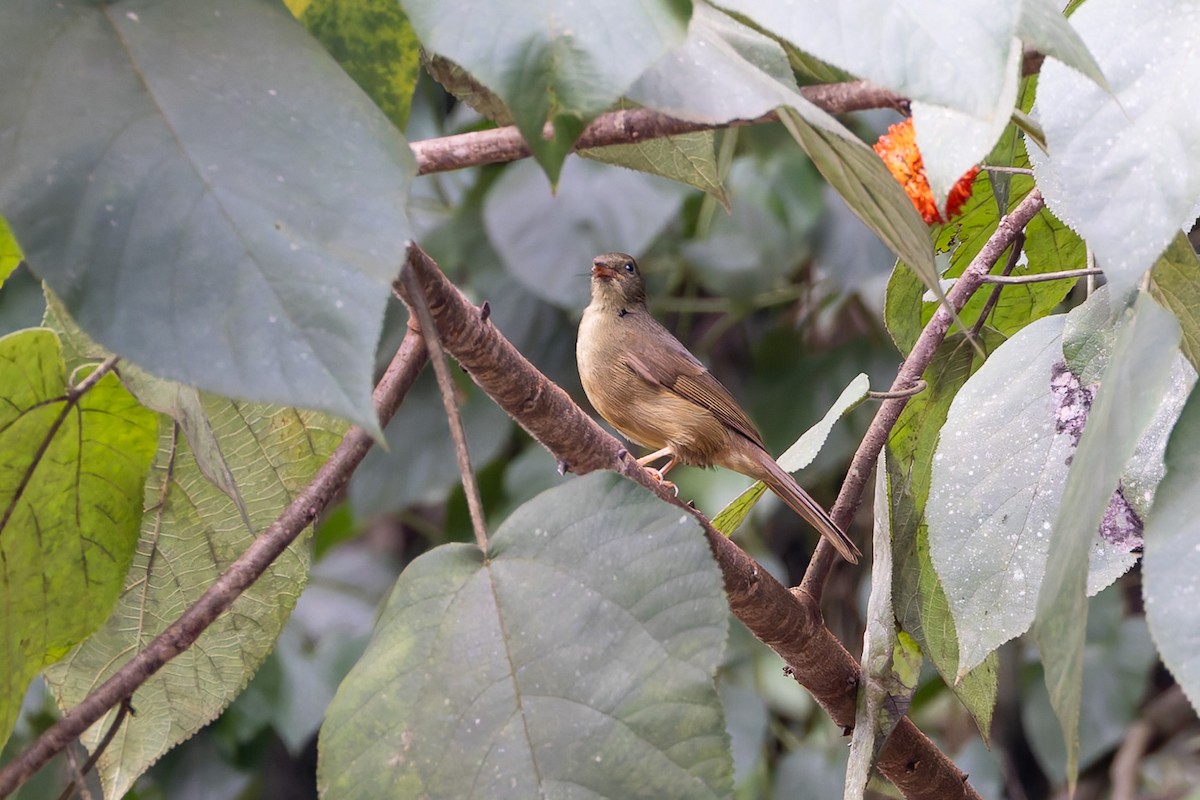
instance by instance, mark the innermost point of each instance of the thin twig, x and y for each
(123, 710)
(77, 777)
(1014, 255)
(270, 544)
(81, 388)
(910, 371)
(1124, 769)
(454, 418)
(1041, 277)
(1010, 170)
(918, 387)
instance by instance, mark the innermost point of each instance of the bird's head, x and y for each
(616, 279)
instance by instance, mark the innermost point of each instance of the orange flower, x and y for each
(898, 149)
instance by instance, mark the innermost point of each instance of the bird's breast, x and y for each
(646, 413)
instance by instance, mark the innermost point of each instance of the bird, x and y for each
(648, 386)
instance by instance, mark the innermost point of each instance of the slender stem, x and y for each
(1014, 255)
(81, 388)
(1042, 277)
(461, 452)
(249, 566)
(910, 371)
(915, 389)
(1010, 170)
(77, 778)
(123, 710)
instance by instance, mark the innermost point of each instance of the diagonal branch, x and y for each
(183, 632)
(790, 622)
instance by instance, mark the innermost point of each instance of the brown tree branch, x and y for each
(790, 622)
(850, 496)
(499, 145)
(183, 632)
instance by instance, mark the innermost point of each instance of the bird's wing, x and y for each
(678, 371)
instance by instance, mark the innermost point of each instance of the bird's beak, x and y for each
(602, 273)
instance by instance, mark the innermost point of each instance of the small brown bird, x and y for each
(658, 395)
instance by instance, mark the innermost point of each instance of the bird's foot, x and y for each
(658, 476)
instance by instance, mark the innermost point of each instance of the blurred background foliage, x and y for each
(782, 296)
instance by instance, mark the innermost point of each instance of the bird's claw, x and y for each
(658, 476)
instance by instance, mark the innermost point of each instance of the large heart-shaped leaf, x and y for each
(207, 191)
(576, 657)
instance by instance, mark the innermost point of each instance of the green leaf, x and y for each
(811, 70)
(10, 251)
(1010, 150)
(891, 663)
(222, 473)
(560, 63)
(922, 608)
(860, 177)
(1088, 342)
(193, 533)
(548, 239)
(1132, 388)
(1175, 283)
(70, 503)
(903, 47)
(212, 197)
(689, 158)
(373, 42)
(578, 655)
(903, 309)
(953, 141)
(1091, 334)
(797, 457)
(1050, 246)
(1043, 27)
(996, 487)
(1118, 661)
(768, 234)
(1172, 561)
(1126, 180)
(723, 71)
(463, 86)
(178, 401)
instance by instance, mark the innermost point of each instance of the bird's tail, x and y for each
(783, 484)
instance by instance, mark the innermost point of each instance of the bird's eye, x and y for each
(629, 266)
